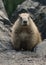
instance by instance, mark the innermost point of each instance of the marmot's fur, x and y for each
(25, 34)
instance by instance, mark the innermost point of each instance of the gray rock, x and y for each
(5, 39)
(41, 49)
(3, 14)
(43, 2)
(2, 8)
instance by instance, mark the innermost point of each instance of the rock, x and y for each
(43, 2)
(4, 18)
(3, 14)
(37, 9)
(2, 8)
(5, 39)
(41, 49)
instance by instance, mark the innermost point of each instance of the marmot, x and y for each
(25, 34)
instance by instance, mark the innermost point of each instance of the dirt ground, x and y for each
(12, 57)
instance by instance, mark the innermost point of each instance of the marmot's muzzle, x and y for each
(24, 23)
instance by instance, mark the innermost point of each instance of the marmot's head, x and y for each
(24, 19)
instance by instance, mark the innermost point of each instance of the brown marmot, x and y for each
(25, 34)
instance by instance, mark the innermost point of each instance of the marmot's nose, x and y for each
(25, 22)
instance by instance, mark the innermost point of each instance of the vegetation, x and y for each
(11, 5)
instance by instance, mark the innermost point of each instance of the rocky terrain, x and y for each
(9, 56)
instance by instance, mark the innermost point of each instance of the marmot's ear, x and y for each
(31, 16)
(19, 15)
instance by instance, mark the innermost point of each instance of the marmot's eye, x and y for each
(20, 18)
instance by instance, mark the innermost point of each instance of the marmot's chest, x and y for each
(24, 34)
